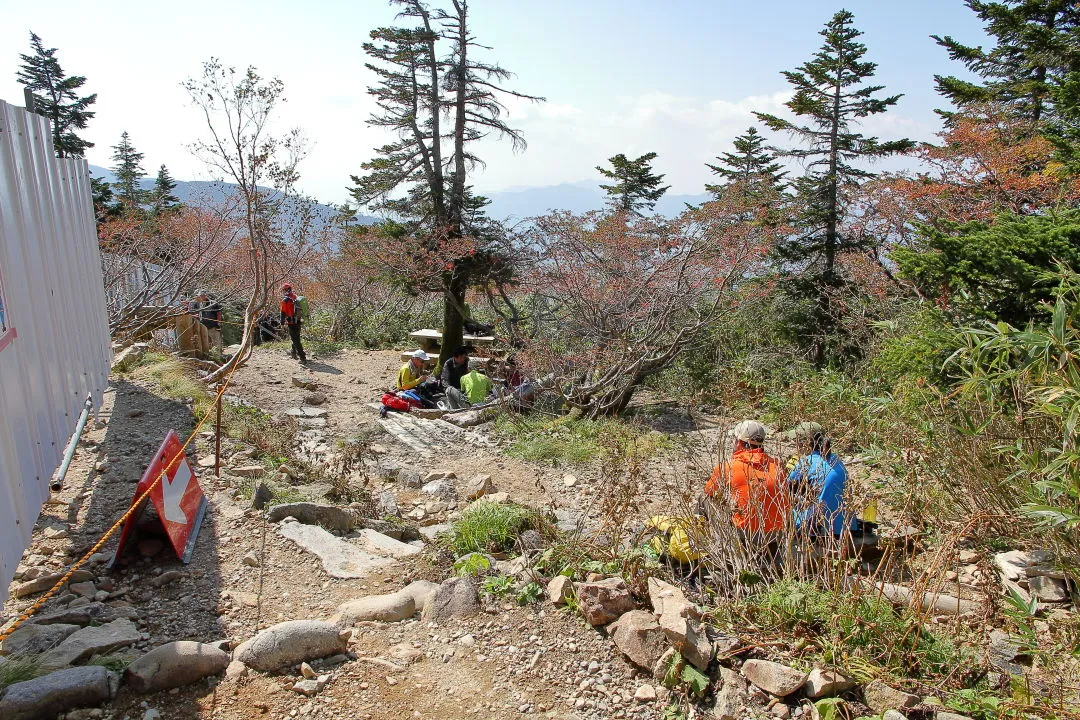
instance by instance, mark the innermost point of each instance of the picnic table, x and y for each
(430, 341)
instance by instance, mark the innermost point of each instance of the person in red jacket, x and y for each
(754, 482)
(290, 318)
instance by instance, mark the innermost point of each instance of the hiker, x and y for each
(292, 318)
(476, 386)
(818, 481)
(802, 435)
(210, 316)
(754, 483)
(512, 377)
(453, 370)
(413, 376)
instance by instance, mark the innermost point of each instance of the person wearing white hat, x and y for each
(412, 374)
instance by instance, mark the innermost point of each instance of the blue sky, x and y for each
(678, 77)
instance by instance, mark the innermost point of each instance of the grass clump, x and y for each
(572, 440)
(19, 669)
(861, 633)
(490, 527)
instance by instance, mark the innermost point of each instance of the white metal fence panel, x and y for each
(54, 336)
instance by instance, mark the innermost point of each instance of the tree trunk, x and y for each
(453, 330)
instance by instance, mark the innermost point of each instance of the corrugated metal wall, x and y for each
(54, 339)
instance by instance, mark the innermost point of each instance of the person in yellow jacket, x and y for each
(412, 374)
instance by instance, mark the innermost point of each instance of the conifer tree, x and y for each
(753, 165)
(161, 196)
(56, 98)
(128, 171)
(830, 94)
(1034, 48)
(636, 187)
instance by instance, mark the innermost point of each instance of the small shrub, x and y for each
(473, 564)
(19, 669)
(530, 594)
(498, 585)
(490, 527)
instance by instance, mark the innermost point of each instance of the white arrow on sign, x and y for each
(173, 492)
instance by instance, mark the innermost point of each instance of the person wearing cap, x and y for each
(802, 435)
(753, 481)
(818, 479)
(412, 374)
(291, 319)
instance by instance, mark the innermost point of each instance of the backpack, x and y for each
(304, 308)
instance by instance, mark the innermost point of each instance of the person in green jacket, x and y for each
(476, 386)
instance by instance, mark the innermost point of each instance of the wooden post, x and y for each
(217, 442)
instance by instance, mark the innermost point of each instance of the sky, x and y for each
(677, 77)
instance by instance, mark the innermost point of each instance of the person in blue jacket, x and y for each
(819, 479)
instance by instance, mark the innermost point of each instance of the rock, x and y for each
(88, 641)
(569, 481)
(380, 544)
(175, 664)
(531, 540)
(262, 496)
(456, 597)
(500, 498)
(1003, 652)
(392, 607)
(603, 601)
(638, 636)
(83, 589)
(57, 692)
(330, 517)
(289, 643)
(236, 669)
(45, 582)
(36, 639)
(251, 559)
(56, 532)
(421, 592)
(306, 687)
(129, 357)
(441, 488)
(166, 577)
(405, 653)
(478, 486)
(880, 697)
(773, 678)
(560, 589)
(340, 558)
(249, 471)
(893, 715)
(1012, 564)
(732, 696)
(411, 479)
(966, 557)
(305, 382)
(666, 598)
(388, 505)
(942, 715)
(388, 529)
(688, 637)
(826, 683)
(85, 614)
(1048, 589)
(306, 671)
(315, 398)
(207, 461)
(645, 694)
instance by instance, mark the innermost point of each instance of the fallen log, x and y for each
(935, 602)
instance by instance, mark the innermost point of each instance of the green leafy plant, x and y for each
(19, 669)
(530, 594)
(681, 674)
(498, 585)
(831, 709)
(472, 565)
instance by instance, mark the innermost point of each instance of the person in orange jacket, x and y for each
(754, 482)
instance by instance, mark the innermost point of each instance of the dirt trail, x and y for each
(512, 662)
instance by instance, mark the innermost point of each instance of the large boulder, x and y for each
(46, 696)
(330, 517)
(289, 643)
(36, 639)
(175, 664)
(826, 683)
(688, 637)
(456, 597)
(638, 636)
(90, 641)
(881, 697)
(773, 678)
(604, 601)
(375, 608)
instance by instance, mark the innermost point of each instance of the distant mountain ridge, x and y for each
(512, 205)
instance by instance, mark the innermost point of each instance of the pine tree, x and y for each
(636, 188)
(1035, 46)
(56, 98)
(128, 171)
(161, 196)
(831, 94)
(753, 165)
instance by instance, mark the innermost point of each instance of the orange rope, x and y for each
(134, 506)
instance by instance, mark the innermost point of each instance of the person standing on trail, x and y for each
(753, 481)
(291, 317)
(210, 317)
